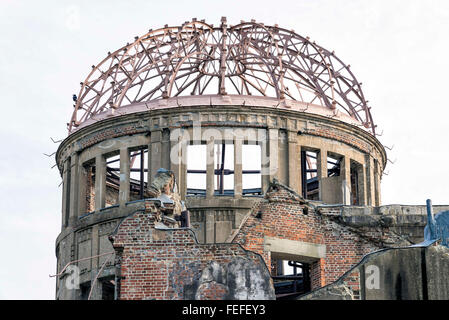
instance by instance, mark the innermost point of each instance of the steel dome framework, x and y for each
(200, 59)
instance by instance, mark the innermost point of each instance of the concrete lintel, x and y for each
(295, 250)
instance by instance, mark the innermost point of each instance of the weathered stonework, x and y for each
(283, 216)
(171, 264)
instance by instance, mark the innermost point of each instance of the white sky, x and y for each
(397, 48)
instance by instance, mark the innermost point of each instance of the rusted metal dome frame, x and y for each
(197, 59)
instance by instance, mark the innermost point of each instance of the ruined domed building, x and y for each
(274, 154)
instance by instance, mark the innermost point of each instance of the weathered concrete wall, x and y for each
(170, 264)
(412, 273)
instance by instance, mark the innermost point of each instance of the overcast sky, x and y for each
(398, 49)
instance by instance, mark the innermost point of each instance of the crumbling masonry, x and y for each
(274, 153)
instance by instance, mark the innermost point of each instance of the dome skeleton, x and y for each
(199, 59)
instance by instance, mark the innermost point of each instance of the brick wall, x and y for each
(281, 215)
(170, 264)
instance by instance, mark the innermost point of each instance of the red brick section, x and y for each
(163, 264)
(281, 215)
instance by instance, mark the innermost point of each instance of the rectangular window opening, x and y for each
(224, 169)
(290, 278)
(89, 170)
(196, 170)
(251, 169)
(355, 180)
(309, 178)
(333, 165)
(112, 179)
(138, 177)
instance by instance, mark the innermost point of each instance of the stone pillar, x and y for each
(265, 160)
(361, 184)
(321, 165)
(283, 157)
(75, 196)
(100, 182)
(369, 172)
(165, 147)
(293, 161)
(238, 167)
(273, 136)
(154, 154)
(65, 193)
(82, 191)
(183, 168)
(345, 172)
(123, 195)
(210, 170)
(377, 177)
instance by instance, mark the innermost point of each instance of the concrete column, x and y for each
(265, 161)
(361, 184)
(65, 194)
(293, 161)
(183, 168)
(283, 157)
(75, 196)
(345, 172)
(82, 191)
(238, 167)
(273, 136)
(165, 147)
(210, 170)
(155, 153)
(100, 182)
(377, 177)
(174, 156)
(369, 172)
(299, 139)
(123, 195)
(321, 166)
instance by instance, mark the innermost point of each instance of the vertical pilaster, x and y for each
(293, 161)
(238, 189)
(210, 168)
(265, 159)
(377, 176)
(369, 165)
(361, 184)
(273, 136)
(82, 191)
(100, 182)
(75, 195)
(123, 196)
(65, 190)
(345, 171)
(155, 150)
(282, 157)
(321, 165)
(183, 168)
